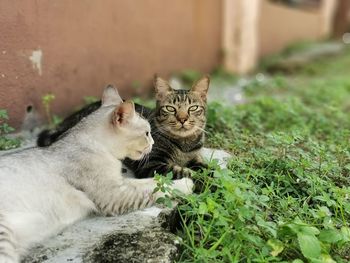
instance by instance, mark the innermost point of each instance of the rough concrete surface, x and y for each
(134, 237)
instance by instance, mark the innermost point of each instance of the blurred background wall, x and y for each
(74, 48)
(281, 25)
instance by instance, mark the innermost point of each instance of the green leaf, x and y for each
(3, 114)
(56, 120)
(211, 205)
(270, 226)
(309, 230)
(297, 226)
(46, 99)
(160, 200)
(276, 245)
(327, 259)
(5, 128)
(330, 236)
(202, 208)
(297, 261)
(345, 233)
(347, 167)
(168, 203)
(309, 245)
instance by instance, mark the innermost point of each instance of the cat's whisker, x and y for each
(143, 159)
(201, 129)
(146, 160)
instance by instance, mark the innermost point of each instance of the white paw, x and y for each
(184, 185)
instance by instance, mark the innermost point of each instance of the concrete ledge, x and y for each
(134, 237)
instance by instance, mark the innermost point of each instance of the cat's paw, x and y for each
(198, 166)
(184, 185)
(181, 172)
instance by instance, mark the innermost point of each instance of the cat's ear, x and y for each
(161, 87)
(201, 87)
(123, 113)
(111, 96)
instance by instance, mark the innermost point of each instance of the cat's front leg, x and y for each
(134, 194)
(151, 168)
(180, 172)
(197, 164)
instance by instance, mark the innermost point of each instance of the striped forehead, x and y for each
(181, 96)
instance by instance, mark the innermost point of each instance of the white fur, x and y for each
(43, 190)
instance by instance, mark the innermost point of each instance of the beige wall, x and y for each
(281, 26)
(86, 44)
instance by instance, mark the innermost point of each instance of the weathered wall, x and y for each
(86, 44)
(281, 26)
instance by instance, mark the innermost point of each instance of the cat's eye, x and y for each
(147, 134)
(170, 108)
(193, 108)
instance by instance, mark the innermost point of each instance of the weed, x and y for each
(53, 119)
(6, 142)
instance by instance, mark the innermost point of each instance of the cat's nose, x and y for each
(182, 120)
(182, 117)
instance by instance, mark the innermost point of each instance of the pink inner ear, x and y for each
(123, 113)
(116, 117)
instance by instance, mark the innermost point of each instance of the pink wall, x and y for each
(87, 44)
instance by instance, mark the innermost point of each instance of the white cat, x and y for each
(43, 190)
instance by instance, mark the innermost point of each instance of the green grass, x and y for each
(285, 194)
(269, 62)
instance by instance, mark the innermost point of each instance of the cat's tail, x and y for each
(8, 251)
(47, 137)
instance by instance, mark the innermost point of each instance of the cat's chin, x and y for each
(137, 155)
(185, 132)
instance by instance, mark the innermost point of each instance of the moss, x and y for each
(150, 245)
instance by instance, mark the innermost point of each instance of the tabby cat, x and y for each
(177, 122)
(43, 190)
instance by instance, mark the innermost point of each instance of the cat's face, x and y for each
(181, 112)
(133, 131)
(136, 133)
